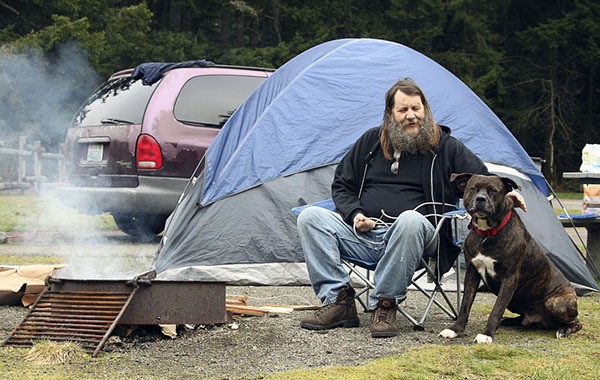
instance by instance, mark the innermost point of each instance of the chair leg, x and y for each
(418, 325)
(358, 297)
(437, 289)
(369, 285)
(447, 307)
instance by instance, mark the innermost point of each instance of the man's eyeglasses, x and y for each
(396, 163)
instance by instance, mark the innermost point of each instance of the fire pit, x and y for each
(87, 311)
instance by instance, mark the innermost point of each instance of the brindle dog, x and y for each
(500, 251)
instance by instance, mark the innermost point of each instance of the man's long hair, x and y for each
(408, 87)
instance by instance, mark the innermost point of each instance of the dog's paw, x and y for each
(447, 333)
(563, 333)
(481, 338)
(566, 331)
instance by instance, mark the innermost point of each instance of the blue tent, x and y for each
(280, 148)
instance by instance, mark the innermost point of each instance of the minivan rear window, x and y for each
(209, 100)
(117, 101)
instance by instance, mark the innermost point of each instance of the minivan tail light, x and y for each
(148, 153)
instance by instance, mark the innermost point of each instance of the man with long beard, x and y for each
(391, 177)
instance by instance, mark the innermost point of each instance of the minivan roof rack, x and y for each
(243, 67)
(151, 72)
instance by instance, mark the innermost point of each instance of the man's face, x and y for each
(408, 111)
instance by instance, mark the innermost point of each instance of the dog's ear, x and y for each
(460, 179)
(509, 184)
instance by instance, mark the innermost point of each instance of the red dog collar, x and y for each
(493, 231)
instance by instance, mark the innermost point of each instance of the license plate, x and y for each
(95, 152)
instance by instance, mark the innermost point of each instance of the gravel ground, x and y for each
(256, 346)
(248, 347)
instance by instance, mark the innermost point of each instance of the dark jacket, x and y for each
(450, 156)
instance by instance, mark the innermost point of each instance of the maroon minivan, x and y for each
(132, 146)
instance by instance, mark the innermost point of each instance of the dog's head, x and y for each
(485, 197)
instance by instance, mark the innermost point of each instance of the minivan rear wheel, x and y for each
(143, 226)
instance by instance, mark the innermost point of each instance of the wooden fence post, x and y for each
(37, 164)
(38, 157)
(61, 163)
(22, 170)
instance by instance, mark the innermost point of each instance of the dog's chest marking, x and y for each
(485, 266)
(482, 224)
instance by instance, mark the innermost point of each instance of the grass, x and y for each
(515, 354)
(26, 259)
(52, 353)
(572, 196)
(578, 196)
(25, 214)
(38, 214)
(571, 211)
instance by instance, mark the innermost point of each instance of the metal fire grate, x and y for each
(84, 317)
(87, 311)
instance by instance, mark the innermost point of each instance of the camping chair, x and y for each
(362, 270)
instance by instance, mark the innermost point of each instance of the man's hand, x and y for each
(362, 223)
(518, 200)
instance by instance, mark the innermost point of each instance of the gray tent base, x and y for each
(250, 238)
(273, 274)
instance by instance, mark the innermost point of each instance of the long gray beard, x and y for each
(405, 143)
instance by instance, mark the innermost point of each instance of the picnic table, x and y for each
(591, 224)
(583, 177)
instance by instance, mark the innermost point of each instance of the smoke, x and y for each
(41, 91)
(89, 245)
(39, 95)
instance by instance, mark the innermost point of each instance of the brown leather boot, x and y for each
(384, 318)
(341, 313)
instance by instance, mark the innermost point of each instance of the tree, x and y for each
(552, 95)
(534, 62)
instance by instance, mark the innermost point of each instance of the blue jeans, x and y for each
(397, 249)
